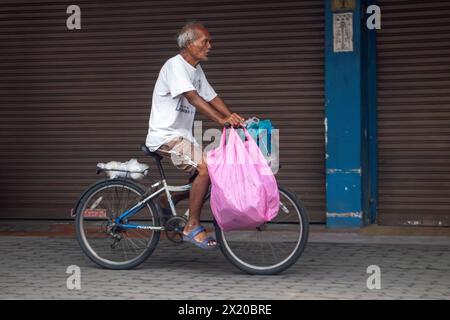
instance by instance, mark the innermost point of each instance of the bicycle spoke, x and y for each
(263, 258)
(133, 245)
(272, 250)
(122, 243)
(125, 204)
(139, 239)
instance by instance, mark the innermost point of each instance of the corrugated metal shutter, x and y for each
(414, 113)
(70, 99)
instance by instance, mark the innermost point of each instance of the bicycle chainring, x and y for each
(174, 229)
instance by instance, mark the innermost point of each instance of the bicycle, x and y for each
(118, 226)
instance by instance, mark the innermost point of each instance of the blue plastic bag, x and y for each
(266, 137)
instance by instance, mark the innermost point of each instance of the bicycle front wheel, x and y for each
(272, 247)
(101, 239)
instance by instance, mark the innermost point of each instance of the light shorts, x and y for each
(183, 153)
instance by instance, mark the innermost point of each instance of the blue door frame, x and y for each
(350, 123)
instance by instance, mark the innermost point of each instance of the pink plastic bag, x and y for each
(244, 192)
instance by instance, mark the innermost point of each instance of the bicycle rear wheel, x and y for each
(272, 247)
(105, 243)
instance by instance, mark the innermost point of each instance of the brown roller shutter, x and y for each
(70, 99)
(414, 113)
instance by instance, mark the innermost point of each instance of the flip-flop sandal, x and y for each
(201, 244)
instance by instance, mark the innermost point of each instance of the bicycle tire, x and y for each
(226, 251)
(86, 247)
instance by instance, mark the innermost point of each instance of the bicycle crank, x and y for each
(174, 229)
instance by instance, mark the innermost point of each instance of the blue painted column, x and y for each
(349, 98)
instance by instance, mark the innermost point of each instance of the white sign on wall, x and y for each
(343, 32)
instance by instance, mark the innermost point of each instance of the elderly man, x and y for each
(181, 89)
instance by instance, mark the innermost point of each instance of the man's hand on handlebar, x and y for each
(234, 120)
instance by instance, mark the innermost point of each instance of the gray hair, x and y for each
(188, 33)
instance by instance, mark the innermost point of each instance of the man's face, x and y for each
(200, 47)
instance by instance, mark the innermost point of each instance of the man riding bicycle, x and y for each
(180, 90)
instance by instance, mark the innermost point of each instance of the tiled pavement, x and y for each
(35, 268)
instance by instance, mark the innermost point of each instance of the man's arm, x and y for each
(220, 114)
(220, 106)
(233, 118)
(204, 107)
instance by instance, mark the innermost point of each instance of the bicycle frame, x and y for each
(141, 204)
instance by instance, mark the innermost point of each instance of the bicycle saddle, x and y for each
(147, 151)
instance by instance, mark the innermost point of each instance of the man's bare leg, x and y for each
(198, 191)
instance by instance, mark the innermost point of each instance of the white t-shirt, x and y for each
(172, 115)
